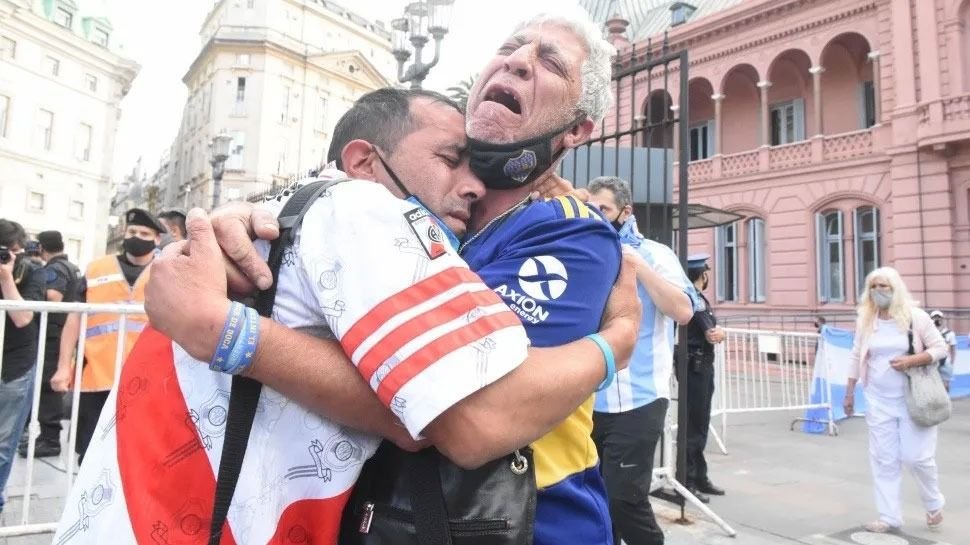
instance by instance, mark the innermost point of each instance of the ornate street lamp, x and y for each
(427, 17)
(220, 152)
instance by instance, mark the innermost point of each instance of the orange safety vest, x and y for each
(106, 284)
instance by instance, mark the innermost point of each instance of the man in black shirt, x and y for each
(20, 280)
(702, 335)
(63, 279)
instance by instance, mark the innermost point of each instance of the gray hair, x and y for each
(619, 187)
(596, 97)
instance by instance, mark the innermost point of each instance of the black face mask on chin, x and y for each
(516, 164)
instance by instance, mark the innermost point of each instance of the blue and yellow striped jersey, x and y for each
(554, 263)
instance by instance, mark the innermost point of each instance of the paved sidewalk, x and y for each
(789, 487)
(784, 488)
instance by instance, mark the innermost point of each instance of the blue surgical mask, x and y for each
(413, 199)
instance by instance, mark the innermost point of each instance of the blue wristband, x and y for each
(235, 321)
(608, 356)
(242, 354)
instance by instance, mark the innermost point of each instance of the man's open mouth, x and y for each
(504, 96)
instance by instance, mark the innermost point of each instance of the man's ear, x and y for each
(579, 134)
(359, 160)
(627, 212)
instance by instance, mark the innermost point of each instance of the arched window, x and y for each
(831, 262)
(756, 260)
(866, 227)
(726, 262)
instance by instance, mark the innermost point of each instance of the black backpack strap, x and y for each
(427, 499)
(909, 334)
(244, 396)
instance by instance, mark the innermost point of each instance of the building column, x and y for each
(816, 72)
(876, 83)
(765, 121)
(717, 98)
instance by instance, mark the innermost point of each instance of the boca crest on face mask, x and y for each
(515, 164)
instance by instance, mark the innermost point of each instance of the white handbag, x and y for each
(927, 400)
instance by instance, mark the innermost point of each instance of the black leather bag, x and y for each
(424, 499)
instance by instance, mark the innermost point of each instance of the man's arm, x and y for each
(57, 283)
(662, 286)
(63, 377)
(10, 292)
(317, 374)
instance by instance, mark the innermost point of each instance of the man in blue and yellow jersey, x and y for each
(552, 262)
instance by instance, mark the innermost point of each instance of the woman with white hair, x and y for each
(882, 352)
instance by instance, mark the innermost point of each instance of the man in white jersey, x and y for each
(404, 307)
(628, 417)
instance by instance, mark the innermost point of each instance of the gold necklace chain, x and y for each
(501, 216)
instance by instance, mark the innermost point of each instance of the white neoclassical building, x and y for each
(61, 84)
(275, 75)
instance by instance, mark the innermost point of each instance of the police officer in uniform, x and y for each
(702, 335)
(63, 279)
(111, 279)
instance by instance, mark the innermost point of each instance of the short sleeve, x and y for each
(56, 279)
(704, 320)
(422, 329)
(33, 287)
(665, 262)
(557, 273)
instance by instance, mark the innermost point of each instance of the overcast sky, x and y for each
(163, 37)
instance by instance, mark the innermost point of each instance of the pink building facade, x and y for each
(840, 130)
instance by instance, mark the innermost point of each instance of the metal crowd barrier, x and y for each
(42, 310)
(765, 371)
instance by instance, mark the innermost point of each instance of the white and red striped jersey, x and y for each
(366, 268)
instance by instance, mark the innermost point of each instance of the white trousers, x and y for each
(894, 441)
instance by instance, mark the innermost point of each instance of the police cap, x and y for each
(698, 262)
(137, 216)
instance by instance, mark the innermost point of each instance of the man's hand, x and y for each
(848, 404)
(715, 335)
(186, 294)
(621, 317)
(6, 269)
(62, 379)
(555, 186)
(236, 225)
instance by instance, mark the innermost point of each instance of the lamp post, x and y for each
(220, 152)
(421, 19)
